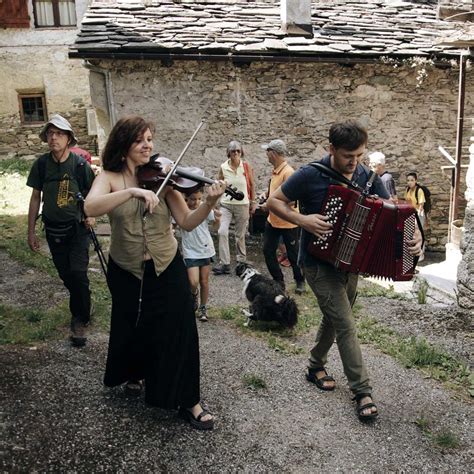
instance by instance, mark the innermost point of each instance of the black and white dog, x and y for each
(268, 301)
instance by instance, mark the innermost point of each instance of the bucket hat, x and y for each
(59, 122)
(276, 145)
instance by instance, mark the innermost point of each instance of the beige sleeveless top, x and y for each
(130, 238)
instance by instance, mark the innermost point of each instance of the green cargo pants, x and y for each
(336, 292)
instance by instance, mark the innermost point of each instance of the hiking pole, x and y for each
(95, 240)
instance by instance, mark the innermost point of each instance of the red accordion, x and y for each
(369, 235)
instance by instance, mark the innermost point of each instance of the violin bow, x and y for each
(176, 163)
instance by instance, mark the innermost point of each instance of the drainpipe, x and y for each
(460, 122)
(108, 90)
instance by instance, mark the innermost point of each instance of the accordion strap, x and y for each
(337, 176)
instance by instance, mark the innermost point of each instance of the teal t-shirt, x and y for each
(60, 187)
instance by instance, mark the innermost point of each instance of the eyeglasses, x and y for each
(59, 133)
(235, 151)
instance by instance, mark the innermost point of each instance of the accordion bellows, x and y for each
(369, 235)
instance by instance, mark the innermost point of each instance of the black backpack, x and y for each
(427, 193)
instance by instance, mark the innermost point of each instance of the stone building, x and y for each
(260, 70)
(38, 78)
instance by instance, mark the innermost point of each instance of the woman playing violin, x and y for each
(153, 336)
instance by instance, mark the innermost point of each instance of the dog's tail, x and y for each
(289, 310)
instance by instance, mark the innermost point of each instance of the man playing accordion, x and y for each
(334, 289)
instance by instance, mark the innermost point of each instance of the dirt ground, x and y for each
(55, 414)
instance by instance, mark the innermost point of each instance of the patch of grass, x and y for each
(471, 384)
(278, 344)
(369, 289)
(26, 325)
(416, 352)
(422, 292)
(43, 325)
(445, 439)
(423, 423)
(13, 239)
(15, 165)
(230, 313)
(254, 382)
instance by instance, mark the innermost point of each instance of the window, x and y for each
(54, 13)
(32, 108)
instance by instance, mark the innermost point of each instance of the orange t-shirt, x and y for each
(279, 176)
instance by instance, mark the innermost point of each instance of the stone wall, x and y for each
(407, 118)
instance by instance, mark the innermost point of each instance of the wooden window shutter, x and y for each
(14, 14)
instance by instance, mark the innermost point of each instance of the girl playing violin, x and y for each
(153, 335)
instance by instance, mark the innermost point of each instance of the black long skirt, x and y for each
(163, 348)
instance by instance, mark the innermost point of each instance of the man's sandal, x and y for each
(360, 408)
(197, 421)
(134, 387)
(319, 382)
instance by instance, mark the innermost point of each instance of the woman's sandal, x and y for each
(134, 387)
(311, 377)
(197, 421)
(360, 408)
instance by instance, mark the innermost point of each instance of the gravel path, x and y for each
(57, 416)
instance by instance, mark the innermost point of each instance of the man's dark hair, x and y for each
(412, 173)
(349, 135)
(121, 138)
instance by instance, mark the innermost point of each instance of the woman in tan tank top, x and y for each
(157, 346)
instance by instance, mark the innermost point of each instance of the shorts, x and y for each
(197, 262)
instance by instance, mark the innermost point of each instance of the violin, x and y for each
(184, 179)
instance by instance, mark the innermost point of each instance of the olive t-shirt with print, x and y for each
(60, 187)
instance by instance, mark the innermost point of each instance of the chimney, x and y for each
(296, 18)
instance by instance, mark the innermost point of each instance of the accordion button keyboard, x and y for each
(332, 210)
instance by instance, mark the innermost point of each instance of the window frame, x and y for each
(56, 17)
(32, 95)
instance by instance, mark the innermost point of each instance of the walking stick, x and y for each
(95, 240)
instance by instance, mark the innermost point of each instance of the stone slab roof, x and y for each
(192, 29)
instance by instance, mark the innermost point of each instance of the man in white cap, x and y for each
(60, 179)
(377, 165)
(275, 227)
